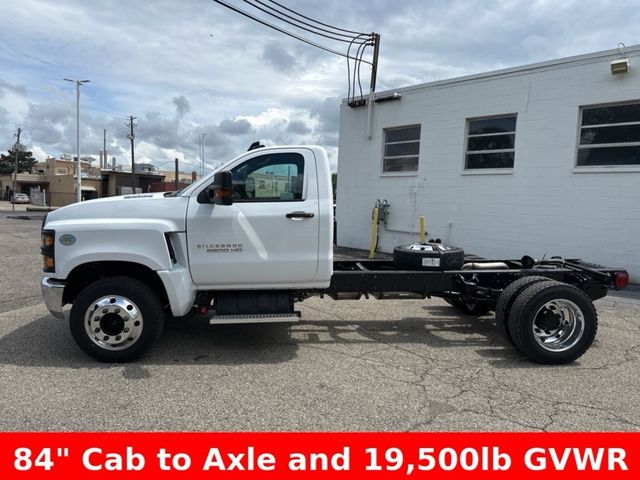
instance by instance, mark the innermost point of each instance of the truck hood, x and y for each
(146, 207)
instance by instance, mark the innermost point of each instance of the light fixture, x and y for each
(389, 98)
(620, 65)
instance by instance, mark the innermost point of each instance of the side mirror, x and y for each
(221, 191)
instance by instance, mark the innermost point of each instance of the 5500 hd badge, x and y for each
(220, 247)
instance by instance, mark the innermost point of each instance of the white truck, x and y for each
(247, 242)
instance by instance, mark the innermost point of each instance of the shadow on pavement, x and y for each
(46, 342)
(191, 340)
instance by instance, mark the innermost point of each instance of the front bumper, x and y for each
(52, 291)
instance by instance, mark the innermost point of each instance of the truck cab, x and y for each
(264, 235)
(275, 232)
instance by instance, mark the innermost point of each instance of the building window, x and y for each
(490, 142)
(610, 136)
(401, 149)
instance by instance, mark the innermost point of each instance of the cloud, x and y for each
(276, 56)
(46, 133)
(19, 89)
(235, 127)
(182, 106)
(247, 81)
(4, 116)
(160, 129)
(298, 127)
(51, 124)
(327, 113)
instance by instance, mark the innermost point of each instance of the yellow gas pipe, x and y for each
(374, 233)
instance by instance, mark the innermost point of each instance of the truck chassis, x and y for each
(382, 277)
(543, 307)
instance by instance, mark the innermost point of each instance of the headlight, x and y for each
(48, 251)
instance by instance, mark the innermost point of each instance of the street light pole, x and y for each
(202, 135)
(17, 148)
(78, 165)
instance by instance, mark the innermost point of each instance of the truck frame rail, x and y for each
(382, 277)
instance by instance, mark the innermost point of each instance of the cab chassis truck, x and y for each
(248, 241)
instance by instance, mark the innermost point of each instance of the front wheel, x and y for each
(552, 322)
(116, 319)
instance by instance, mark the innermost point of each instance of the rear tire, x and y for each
(553, 322)
(116, 319)
(507, 297)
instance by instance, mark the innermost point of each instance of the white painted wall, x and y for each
(544, 206)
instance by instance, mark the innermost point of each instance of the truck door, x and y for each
(269, 236)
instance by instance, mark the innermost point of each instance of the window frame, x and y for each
(400, 173)
(603, 168)
(272, 200)
(493, 170)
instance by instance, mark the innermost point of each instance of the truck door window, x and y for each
(269, 178)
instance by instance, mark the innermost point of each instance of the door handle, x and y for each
(299, 215)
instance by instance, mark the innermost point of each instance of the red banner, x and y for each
(302, 456)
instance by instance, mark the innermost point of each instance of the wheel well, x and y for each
(84, 275)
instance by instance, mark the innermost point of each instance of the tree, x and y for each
(8, 162)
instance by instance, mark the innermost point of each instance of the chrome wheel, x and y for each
(558, 325)
(113, 322)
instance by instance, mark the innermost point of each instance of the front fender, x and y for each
(140, 242)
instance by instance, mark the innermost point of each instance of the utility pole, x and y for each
(17, 147)
(104, 149)
(372, 86)
(131, 136)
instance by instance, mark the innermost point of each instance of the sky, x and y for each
(188, 67)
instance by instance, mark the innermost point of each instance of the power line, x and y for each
(346, 38)
(356, 71)
(363, 40)
(316, 21)
(355, 65)
(281, 30)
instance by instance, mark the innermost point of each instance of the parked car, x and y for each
(20, 198)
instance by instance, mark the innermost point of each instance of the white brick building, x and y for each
(540, 159)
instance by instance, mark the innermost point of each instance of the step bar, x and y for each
(255, 318)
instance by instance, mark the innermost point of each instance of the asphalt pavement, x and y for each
(402, 365)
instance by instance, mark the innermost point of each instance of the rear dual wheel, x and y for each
(552, 322)
(508, 296)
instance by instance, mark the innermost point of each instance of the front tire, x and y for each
(116, 319)
(553, 322)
